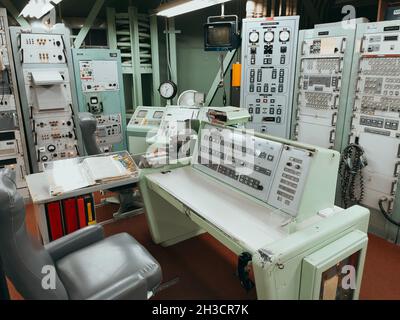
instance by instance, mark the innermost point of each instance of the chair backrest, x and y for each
(25, 260)
(88, 125)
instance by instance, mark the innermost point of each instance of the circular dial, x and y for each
(253, 37)
(168, 90)
(284, 36)
(269, 36)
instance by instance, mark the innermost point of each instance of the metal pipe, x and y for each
(250, 8)
(259, 9)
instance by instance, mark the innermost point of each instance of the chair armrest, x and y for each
(75, 241)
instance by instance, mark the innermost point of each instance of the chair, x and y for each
(81, 265)
(128, 202)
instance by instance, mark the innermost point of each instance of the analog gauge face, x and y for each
(269, 36)
(253, 37)
(168, 90)
(284, 36)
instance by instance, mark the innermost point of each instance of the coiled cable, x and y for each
(350, 170)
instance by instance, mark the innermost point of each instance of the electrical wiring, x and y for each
(386, 214)
(350, 170)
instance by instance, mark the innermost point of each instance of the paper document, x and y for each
(72, 174)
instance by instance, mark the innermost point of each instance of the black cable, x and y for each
(386, 214)
(350, 170)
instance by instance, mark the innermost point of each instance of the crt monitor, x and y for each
(220, 36)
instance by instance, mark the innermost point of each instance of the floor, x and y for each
(206, 269)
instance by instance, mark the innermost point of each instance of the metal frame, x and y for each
(88, 23)
(136, 68)
(14, 12)
(215, 85)
(135, 51)
(155, 56)
(171, 34)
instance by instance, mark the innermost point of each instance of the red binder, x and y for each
(54, 220)
(70, 215)
(81, 212)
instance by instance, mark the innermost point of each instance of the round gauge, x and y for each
(253, 37)
(168, 90)
(284, 36)
(269, 36)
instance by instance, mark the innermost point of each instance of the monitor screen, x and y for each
(219, 36)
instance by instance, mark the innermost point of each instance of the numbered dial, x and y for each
(253, 37)
(168, 90)
(269, 36)
(284, 36)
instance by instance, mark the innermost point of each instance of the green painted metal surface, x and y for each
(113, 101)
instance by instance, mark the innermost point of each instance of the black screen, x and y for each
(219, 36)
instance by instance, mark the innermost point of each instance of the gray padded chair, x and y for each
(128, 202)
(87, 265)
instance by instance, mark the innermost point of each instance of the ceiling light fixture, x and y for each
(178, 7)
(38, 8)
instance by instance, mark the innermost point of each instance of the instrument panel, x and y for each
(268, 62)
(376, 107)
(272, 172)
(324, 62)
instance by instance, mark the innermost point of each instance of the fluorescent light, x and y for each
(38, 8)
(177, 7)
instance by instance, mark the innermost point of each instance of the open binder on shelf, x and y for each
(72, 174)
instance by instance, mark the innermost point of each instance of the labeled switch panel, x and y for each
(325, 56)
(109, 131)
(268, 60)
(146, 117)
(42, 48)
(376, 107)
(98, 74)
(54, 136)
(47, 93)
(272, 172)
(13, 153)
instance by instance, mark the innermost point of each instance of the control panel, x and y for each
(47, 92)
(42, 48)
(175, 120)
(146, 117)
(277, 172)
(13, 153)
(268, 65)
(143, 125)
(100, 91)
(376, 109)
(324, 61)
(109, 130)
